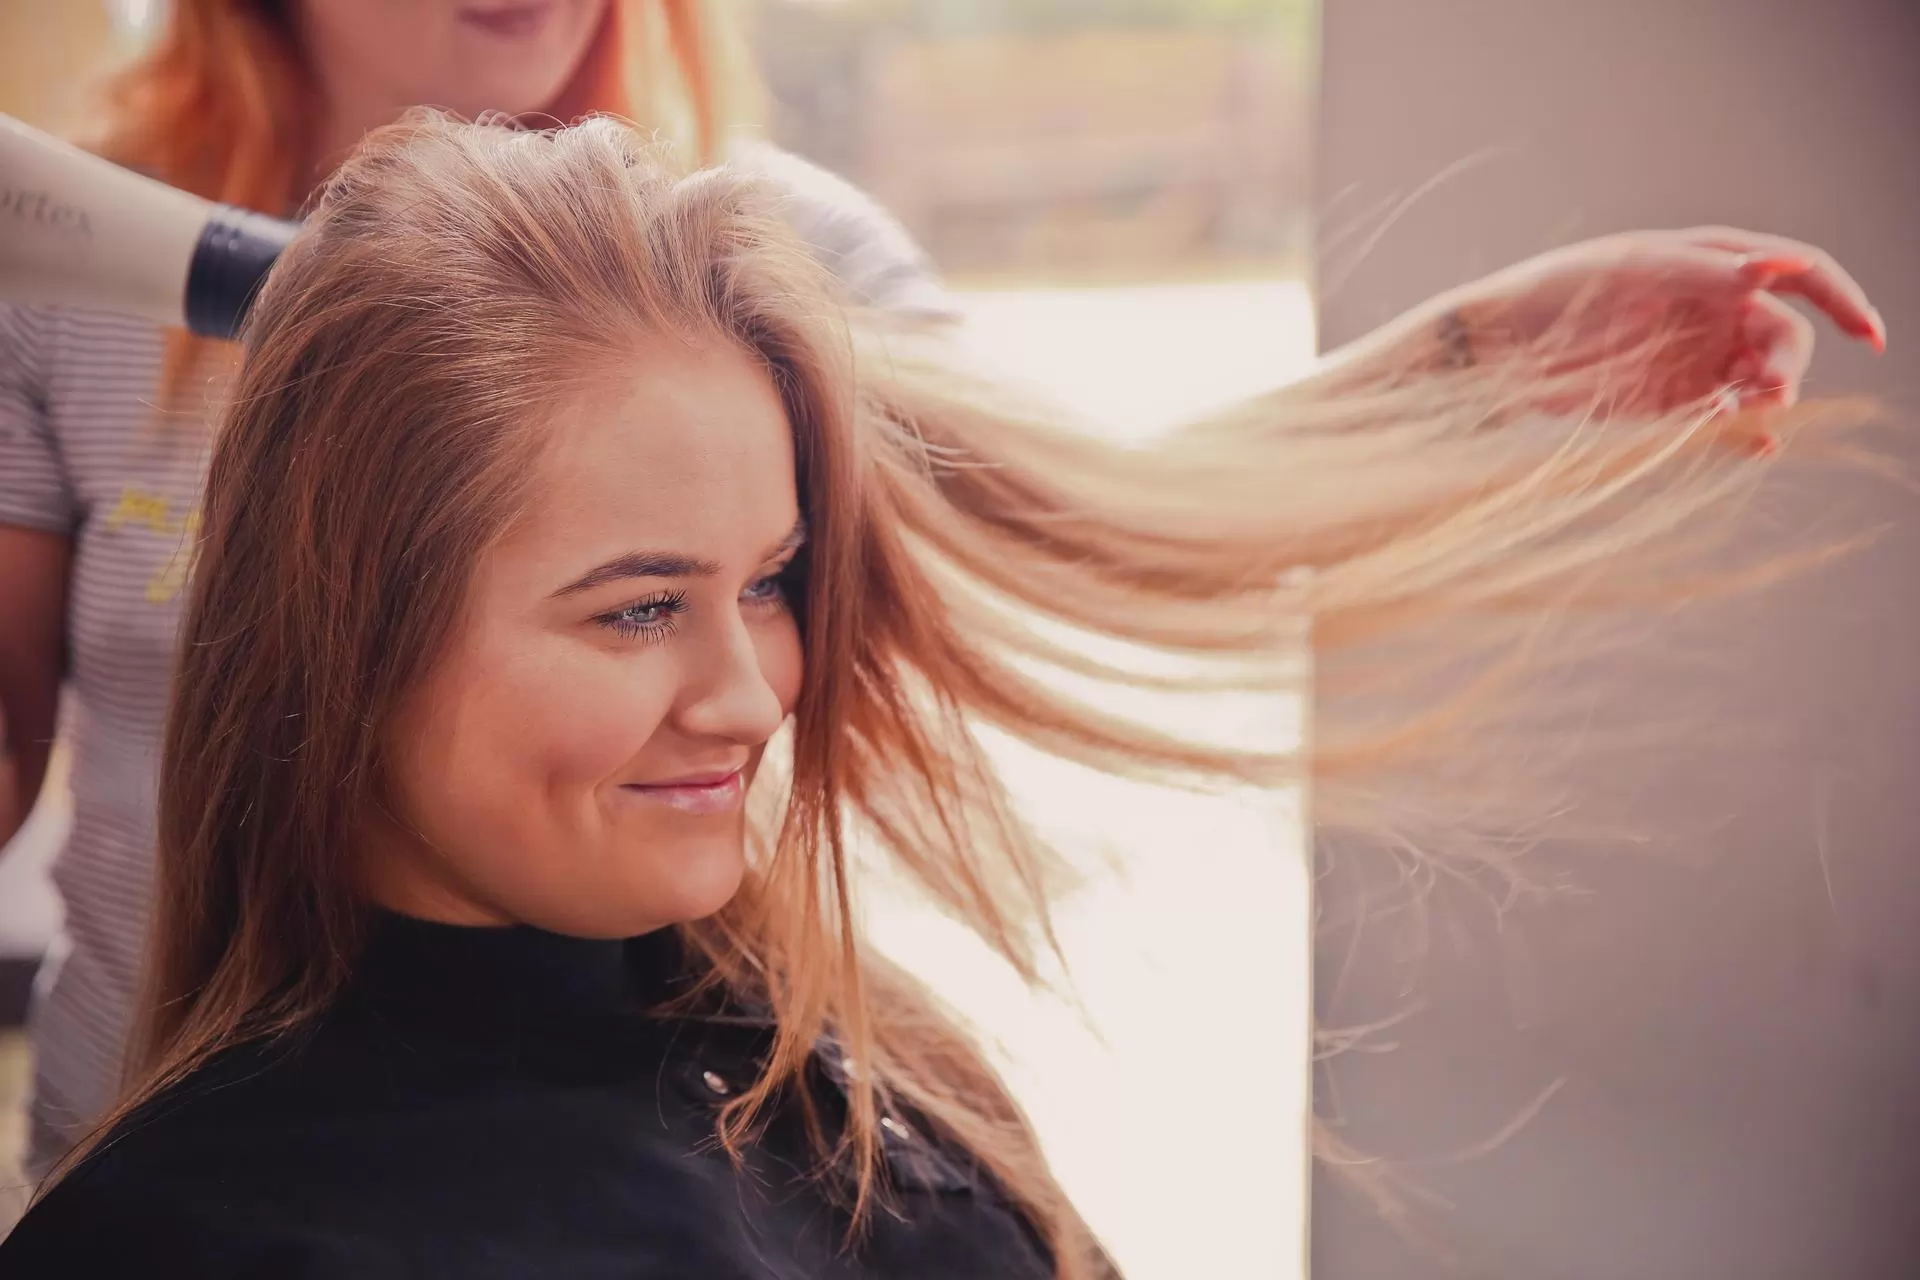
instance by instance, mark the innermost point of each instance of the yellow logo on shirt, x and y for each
(155, 511)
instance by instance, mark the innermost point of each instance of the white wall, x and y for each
(1732, 1015)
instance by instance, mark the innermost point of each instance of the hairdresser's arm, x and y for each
(33, 587)
(36, 514)
(1640, 324)
(10, 812)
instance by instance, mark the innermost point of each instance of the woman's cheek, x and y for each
(531, 714)
(594, 719)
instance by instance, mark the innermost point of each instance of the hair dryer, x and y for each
(78, 231)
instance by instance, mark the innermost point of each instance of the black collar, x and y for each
(517, 972)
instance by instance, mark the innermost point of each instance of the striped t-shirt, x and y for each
(84, 452)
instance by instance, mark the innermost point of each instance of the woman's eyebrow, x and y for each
(666, 564)
(640, 564)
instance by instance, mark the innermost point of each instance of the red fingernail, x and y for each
(1764, 445)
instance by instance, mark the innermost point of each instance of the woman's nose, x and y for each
(731, 695)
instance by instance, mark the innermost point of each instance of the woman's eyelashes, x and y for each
(655, 617)
(651, 618)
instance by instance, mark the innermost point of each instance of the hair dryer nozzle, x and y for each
(235, 251)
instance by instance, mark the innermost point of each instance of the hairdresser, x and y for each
(104, 432)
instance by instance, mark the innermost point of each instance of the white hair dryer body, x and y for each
(78, 231)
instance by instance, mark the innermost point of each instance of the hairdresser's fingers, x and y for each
(1808, 271)
(1654, 257)
(1775, 352)
(1664, 267)
(1635, 280)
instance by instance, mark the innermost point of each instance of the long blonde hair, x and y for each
(456, 282)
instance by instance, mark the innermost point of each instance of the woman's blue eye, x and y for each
(653, 618)
(769, 590)
(650, 617)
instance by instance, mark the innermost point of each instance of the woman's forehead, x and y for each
(690, 449)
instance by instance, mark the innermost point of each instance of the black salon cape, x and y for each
(494, 1103)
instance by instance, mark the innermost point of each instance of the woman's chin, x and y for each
(701, 880)
(686, 880)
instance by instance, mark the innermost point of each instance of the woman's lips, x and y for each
(719, 793)
(515, 23)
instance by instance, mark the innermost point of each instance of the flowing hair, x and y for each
(455, 285)
(223, 104)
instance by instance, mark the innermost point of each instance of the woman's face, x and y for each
(468, 56)
(577, 758)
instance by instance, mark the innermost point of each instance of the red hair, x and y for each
(222, 103)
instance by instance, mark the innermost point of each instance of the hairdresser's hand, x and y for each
(1653, 321)
(876, 260)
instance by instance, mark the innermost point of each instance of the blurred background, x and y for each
(1704, 1066)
